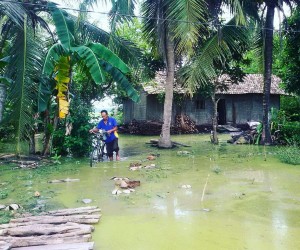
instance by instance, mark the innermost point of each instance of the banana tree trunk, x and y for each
(268, 50)
(165, 137)
(2, 99)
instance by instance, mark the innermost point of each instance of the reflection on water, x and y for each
(248, 203)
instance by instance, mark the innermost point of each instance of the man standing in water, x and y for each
(109, 124)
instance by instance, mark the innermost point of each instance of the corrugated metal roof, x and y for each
(253, 83)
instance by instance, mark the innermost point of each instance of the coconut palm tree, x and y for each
(174, 39)
(266, 20)
(19, 26)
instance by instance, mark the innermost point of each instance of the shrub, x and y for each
(79, 141)
(291, 133)
(289, 155)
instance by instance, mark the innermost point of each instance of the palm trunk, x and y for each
(32, 142)
(165, 137)
(268, 56)
(214, 135)
(2, 100)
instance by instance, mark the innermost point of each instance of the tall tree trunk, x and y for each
(32, 142)
(268, 62)
(165, 137)
(2, 99)
(214, 135)
(50, 127)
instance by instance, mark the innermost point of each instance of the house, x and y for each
(239, 104)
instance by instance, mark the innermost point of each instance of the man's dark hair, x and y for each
(104, 111)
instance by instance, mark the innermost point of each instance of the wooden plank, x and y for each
(72, 246)
(229, 128)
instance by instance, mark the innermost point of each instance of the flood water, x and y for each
(241, 197)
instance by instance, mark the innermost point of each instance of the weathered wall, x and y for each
(239, 108)
(134, 110)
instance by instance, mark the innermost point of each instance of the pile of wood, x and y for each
(144, 127)
(184, 125)
(60, 229)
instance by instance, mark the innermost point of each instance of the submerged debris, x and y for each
(124, 185)
(63, 180)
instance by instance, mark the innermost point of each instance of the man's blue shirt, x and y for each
(111, 123)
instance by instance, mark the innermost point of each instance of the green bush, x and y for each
(291, 133)
(78, 143)
(289, 155)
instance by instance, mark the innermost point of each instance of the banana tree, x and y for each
(96, 58)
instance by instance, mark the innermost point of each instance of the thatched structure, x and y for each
(239, 104)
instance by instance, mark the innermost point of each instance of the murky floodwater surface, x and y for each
(237, 200)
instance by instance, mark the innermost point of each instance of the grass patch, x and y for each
(289, 155)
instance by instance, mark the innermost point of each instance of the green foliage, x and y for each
(3, 194)
(119, 115)
(290, 63)
(289, 155)
(291, 106)
(291, 133)
(77, 143)
(5, 216)
(259, 130)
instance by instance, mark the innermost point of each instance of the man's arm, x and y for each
(115, 128)
(94, 130)
(112, 130)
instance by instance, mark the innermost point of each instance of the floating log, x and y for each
(74, 246)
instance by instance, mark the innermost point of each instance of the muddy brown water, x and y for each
(248, 203)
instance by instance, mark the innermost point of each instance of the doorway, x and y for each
(221, 112)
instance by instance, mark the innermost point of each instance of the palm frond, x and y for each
(201, 69)
(155, 25)
(236, 7)
(14, 11)
(257, 42)
(25, 66)
(121, 11)
(191, 16)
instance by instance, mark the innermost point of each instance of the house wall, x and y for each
(239, 108)
(155, 108)
(243, 108)
(134, 110)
